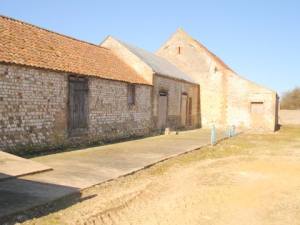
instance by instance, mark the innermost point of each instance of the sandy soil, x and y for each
(250, 179)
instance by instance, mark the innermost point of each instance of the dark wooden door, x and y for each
(190, 113)
(78, 108)
(162, 110)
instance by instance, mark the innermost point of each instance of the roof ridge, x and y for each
(50, 31)
(220, 61)
(215, 57)
(132, 48)
(212, 55)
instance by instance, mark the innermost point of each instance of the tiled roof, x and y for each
(26, 44)
(158, 64)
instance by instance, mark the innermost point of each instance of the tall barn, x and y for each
(226, 98)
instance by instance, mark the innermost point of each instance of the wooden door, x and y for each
(162, 110)
(190, 113)
(184, 107)
(78, 104)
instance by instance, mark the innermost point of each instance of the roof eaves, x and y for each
(73, 73)
(50, 31)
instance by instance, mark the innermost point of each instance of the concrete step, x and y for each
(12, 166)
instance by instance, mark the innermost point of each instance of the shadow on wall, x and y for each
(21, 199)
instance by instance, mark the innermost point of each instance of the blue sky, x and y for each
(258, 39)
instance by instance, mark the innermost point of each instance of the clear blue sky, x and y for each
(260, 39)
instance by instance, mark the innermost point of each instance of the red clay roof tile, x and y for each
(26, 44)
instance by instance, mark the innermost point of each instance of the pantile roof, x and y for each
(26, 44)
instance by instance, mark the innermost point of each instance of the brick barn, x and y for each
(175, 96)
(55, 89)
(226, 98)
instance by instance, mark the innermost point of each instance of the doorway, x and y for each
(162, 110)
(78, 105)
(184, 108)
(257, 112)
(190, 113)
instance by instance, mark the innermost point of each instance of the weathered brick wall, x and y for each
(34, 109)
(225, 96)
(175, 88)
(240, 94)
(110, 115)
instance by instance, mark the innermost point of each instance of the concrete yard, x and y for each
(14, 166)
(77, 170)
(252, 179)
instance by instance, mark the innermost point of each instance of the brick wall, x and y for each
(34, 109)
(32, 106)
(110, 115)
(175, 88)
(225, 96)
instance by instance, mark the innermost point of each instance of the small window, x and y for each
(216, 69)
(163, 93)
(131, 94)
(179, 50)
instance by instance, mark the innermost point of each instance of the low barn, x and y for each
(55, 89)
(175, 95)
(226, 98)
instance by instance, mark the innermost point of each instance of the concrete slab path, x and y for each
(14, 166)
(81, 169)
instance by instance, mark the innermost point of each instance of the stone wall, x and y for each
(289, 117)
(225, 97)
(110, 115)
(34, 109)
(175, 88)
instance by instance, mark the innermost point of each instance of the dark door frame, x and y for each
(163, 92)
(83, 130)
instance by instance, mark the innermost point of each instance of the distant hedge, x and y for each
(291, 99)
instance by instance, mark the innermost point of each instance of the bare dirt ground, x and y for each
(250, 179)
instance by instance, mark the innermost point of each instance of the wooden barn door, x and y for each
(78, 105)
(184, 108)
(162, 110)
(190, 108)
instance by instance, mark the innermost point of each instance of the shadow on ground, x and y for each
(21, 199)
